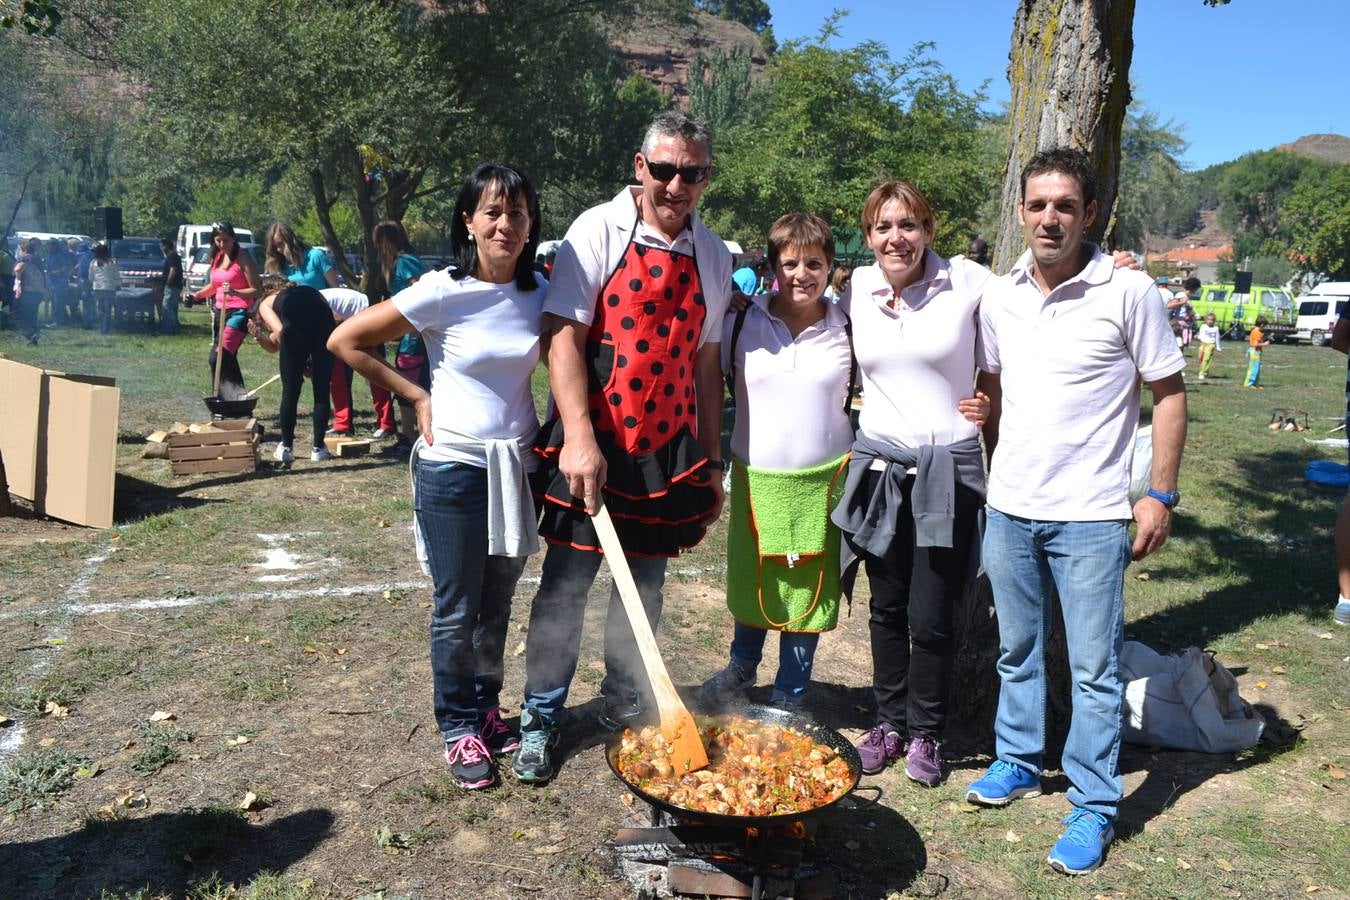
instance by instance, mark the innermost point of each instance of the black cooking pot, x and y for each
(773, 716)
(231, 409)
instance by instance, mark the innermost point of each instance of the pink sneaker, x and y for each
(497, 735)
(470, 762)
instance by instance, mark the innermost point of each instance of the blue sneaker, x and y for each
(533, 762)
(1081, 847)
(1002, 784)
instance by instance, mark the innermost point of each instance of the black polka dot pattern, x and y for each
(652, 312)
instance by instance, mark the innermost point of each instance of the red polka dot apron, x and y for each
(640, 356)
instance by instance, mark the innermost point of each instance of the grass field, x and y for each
(280, 620)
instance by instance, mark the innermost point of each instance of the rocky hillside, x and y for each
(662, 52)
(1327, 147)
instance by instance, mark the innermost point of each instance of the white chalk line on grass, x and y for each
(57, 631)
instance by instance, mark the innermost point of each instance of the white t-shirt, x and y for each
(482, 346)
(789, 391)
(918, 359)
(597, 241)
(1070, 364)
(345, 302)
(1209, 334)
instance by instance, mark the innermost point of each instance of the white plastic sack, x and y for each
(1185, 702)
(1141, 468)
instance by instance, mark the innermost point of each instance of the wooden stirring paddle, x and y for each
(677, 725)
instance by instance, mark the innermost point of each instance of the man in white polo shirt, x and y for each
(1068, 337)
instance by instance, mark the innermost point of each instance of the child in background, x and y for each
(1209, 344)
(1258, 342)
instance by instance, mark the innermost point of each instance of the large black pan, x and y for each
(774, 716)
(231, 409)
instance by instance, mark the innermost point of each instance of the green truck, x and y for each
(1237, 313)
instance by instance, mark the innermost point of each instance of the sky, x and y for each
(1234, 79)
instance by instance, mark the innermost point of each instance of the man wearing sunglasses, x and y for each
(635, 310)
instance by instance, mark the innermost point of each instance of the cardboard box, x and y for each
(80, 448)
(59, 440)
(21, 409)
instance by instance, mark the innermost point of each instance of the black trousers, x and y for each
(914, 593)
(307, 322)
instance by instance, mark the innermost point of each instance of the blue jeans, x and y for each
(796, 653)
(472, 593)
(1027, 560)
(168, 310)
(106, 302)
(553, 643)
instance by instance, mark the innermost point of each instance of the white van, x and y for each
(1319, 309)
(190, 237)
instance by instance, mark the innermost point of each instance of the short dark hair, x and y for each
(1191, 285)
(1066, 161)
(515, 186)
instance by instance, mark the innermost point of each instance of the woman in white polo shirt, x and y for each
(480, 320)
(916, 476)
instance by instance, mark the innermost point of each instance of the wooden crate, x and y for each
(228, 445)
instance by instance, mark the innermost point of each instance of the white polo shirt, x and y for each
(482, 345)
(1070, 364)
(596, 242)
(917, 355)
(789, 391)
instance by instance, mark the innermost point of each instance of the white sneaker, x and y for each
(379, 433)
(283, 454)
(1343, 612)
(319, 454)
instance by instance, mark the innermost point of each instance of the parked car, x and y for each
(197, 271)
(1319, 309)
(190, 237)
(1237, 313)
(139, 260)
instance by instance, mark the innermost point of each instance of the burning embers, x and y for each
(663, 856)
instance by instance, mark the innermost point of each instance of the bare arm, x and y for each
(580, 461)
(331, 276)
(250, 270)
(1153, 518)
(709, 389)
(351, 340)
(992, 387)
(269, 342)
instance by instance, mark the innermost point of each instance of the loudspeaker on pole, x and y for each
(108, 223)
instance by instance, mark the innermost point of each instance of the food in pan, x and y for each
(754, 769)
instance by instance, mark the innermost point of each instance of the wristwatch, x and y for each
(1168, 499)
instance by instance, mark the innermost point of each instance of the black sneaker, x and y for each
(619, 713)
(533, 763)
(470, 762)
(496, 734)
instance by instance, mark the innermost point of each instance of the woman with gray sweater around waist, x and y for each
(915, 483)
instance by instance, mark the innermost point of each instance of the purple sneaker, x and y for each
(882, 746)
(497, 735)
(923, 760)
(470, 762)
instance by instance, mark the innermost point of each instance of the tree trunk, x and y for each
(373, 283)
(1069, 70)
(323, 206)
(973, 697)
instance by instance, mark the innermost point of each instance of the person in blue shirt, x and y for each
(296, 261)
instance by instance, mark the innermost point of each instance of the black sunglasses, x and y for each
(664, 171)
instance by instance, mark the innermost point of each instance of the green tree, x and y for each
(1156, 197)
(1318, 211)
(824, 125)
(753, 14)
(719, 86)
(239, 199)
